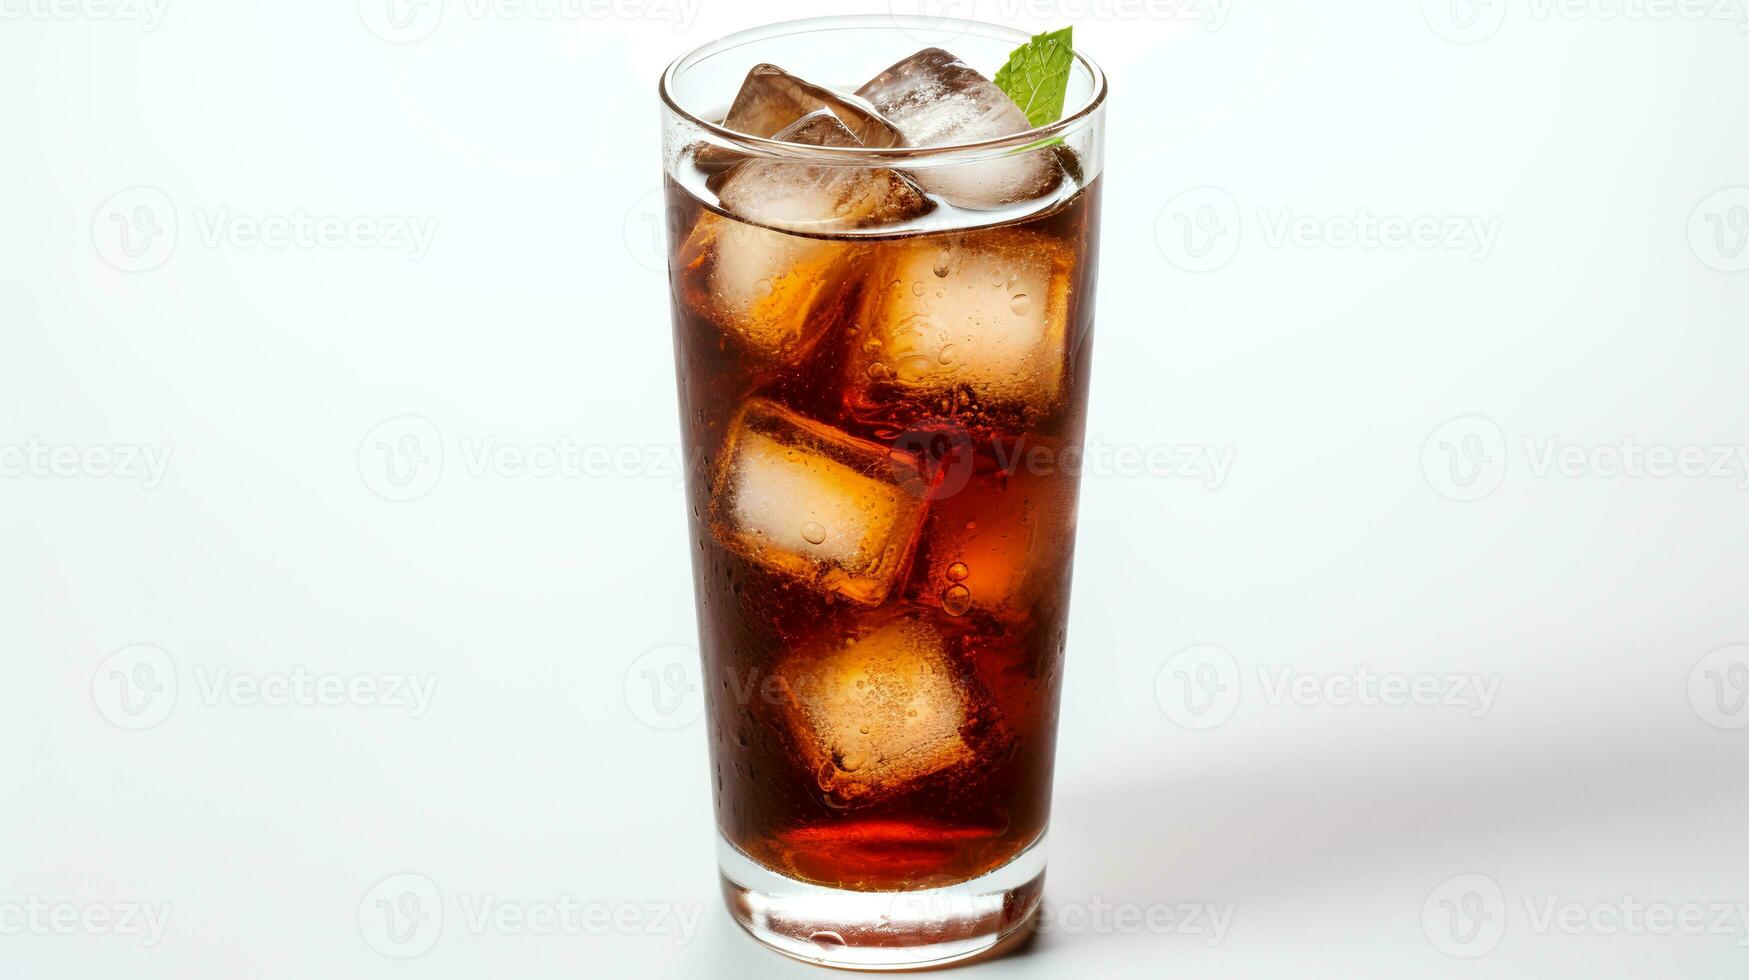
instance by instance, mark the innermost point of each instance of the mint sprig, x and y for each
(1036, 76)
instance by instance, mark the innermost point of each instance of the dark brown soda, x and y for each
(987, 578)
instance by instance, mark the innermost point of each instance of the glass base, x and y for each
(881, 930)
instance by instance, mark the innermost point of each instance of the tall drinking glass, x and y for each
(883, 352)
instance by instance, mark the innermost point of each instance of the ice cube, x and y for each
(771, 99)
(934, 99)
(874, 713)
(777, 292)
(807, 501)
(800, 197)
(976, 324)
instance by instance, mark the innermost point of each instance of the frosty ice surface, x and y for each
(771, 99)
(972, 323)
(816, 504)
(798, 197)
(770, 289)
(762, 287)
(879, 710)
(934, 98)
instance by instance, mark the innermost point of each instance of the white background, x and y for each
(1335, 839)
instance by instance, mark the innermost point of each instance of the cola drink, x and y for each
(883, 377)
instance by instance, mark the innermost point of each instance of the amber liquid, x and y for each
(951, 778)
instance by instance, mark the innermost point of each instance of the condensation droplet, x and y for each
(947, 354)
(1021, 304)
(943, 263)
(957, 572)
(814, 531)
(917, 288)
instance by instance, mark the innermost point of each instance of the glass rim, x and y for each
(866, 156)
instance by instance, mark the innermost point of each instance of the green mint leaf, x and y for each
(1037, 76)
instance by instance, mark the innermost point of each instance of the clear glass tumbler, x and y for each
(883, 356)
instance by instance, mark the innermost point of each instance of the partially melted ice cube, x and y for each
(775, 292)
(817, 505)
(973, 324)
(936, 99)
(876, 712)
